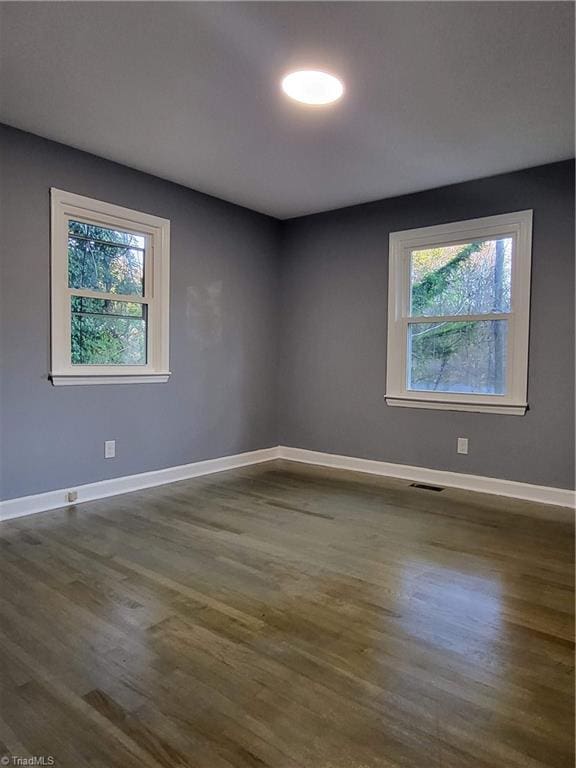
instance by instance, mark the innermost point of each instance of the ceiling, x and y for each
(436, 92)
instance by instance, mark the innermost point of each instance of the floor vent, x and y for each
(426, 487)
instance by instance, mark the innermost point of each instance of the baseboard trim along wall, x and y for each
(542, 494)
(43, 502)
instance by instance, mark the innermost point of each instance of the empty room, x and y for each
(287, 402)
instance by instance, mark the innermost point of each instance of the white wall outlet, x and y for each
(72, 496)
(462, 445)
(109, 449)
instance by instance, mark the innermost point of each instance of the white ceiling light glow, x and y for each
(312, 87)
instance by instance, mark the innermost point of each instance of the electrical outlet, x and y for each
(109, 449)
(72, 496)
(462, 445)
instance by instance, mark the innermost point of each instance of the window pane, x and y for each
(107, 260)
(458, 357)
(467, 279)
(108, 332)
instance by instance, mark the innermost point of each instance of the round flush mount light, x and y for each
(312, 87)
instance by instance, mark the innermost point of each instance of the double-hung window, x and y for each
(110, 293)
(458, 315)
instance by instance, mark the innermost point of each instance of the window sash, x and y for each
(148, 267)
(121, 297)
(446, 392)
(133, 330)
(459, 396)
(442, 244)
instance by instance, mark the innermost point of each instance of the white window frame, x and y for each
(516, 225)
(66, 206)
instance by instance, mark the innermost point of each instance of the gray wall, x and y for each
(220, 398)
(278, 333)
(332, 371)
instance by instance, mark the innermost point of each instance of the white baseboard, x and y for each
(539, 493)
(42, 502)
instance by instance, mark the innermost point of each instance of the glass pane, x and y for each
(458, 357)
(107, 260)
(108, 332)
(467, 279)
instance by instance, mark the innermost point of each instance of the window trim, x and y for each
(519, 226)
(67, 205)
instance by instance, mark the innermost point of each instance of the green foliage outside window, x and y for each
(106, 331)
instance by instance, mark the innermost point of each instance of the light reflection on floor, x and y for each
(452, 610)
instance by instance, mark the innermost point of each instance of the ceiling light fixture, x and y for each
(312, 87)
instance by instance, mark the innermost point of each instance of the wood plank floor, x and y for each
(288, 617)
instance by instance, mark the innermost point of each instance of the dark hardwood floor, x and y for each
(289, 617)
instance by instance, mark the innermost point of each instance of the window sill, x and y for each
(67, 379)
(443, 405)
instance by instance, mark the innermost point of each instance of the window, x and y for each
(458, 315)
(110, 293)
